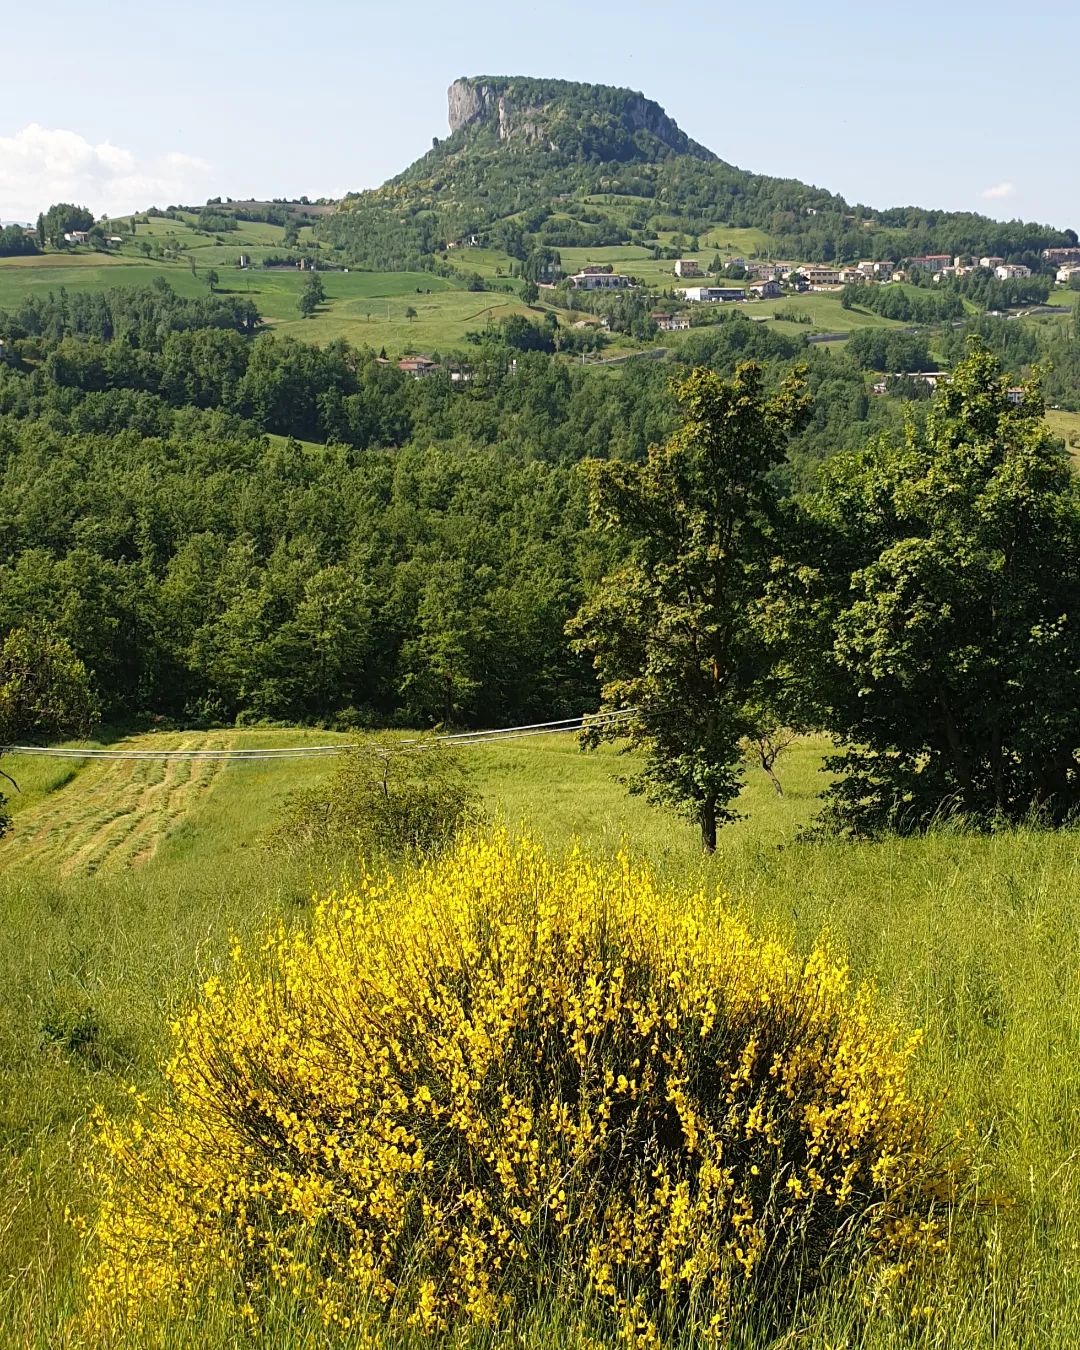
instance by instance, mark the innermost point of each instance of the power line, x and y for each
(459, 738)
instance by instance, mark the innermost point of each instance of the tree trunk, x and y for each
(773, 779)
(707, 817)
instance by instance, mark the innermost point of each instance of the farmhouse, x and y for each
(930, 262)
(766, 290)
(687, 267)
(1006, 271)
(76, 237)
(818, 275)
(1065, 274)
(713, 295)
(670, 323)
(599, 281)
(418, 366)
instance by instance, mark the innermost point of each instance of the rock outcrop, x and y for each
(529, 111)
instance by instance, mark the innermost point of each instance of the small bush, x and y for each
(389, 798)
(502, 1080)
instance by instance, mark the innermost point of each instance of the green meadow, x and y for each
(123, 881)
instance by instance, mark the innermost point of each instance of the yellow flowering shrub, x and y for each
(502, 1074)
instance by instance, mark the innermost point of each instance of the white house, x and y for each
(713, 295)
(1065, 274)
(990, 262)
(76, 237)
(1006, 271)
(766, 290)
(687, 267)
(599, 281)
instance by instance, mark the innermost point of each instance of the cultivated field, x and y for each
(122, 884)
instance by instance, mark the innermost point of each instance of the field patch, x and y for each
(114, 813)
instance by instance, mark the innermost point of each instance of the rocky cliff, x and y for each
(542, 112)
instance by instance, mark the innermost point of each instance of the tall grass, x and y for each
(976, 939)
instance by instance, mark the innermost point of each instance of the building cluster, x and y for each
(944, 265)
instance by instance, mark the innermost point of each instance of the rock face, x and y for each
(525, 110)
(471, 103)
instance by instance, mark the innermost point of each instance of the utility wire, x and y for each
(462, 738)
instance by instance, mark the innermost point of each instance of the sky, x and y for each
(954, 105)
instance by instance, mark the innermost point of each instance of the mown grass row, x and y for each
(976, 939)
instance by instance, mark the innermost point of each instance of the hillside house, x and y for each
(417, 366)
(1065, 274)
(766, 290)
(687, 267)
(1015, 394)
(817, 275)
(599, 281)
(1006, 271)
(670, 323)
(989, 261)
(76, 237)
(713, 295)
(1061, 255)
(930, 262)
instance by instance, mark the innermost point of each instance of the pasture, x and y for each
(364, 308)
(122, 884)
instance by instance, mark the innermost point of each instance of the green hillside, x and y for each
(535, 163)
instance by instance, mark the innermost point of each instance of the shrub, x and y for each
(388, 798)
(501, 1076)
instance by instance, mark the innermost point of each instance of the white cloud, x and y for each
(40, 165)
(998, 191)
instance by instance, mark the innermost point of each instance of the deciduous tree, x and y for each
(672, 632)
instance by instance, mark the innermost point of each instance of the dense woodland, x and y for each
(418, 562)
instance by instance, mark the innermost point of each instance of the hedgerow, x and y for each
(502, 1077)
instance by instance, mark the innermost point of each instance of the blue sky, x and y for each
(953, 105)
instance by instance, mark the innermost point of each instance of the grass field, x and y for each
(121, 885)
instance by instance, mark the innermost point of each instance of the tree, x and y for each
(946, 615)
(45, 692)
(62, 218)
(410, 313)
(530, 293)
(672, 632)
(212, 278)
(313, 294)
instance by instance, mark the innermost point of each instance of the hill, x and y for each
(532, 163)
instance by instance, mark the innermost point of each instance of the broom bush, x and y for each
(503, 1078)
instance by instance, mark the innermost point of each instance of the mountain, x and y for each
(578, 120)
(533, 163)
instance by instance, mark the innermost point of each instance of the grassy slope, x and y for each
(978, 940)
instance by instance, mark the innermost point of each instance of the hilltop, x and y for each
(551, 163)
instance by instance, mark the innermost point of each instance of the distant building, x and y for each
(76, 237)
(766, 290)
(1061, 255)
(989, 261)
(244, 260)
(417, 366)
(817, 275)
(599, 281)
(1006, 271)
(687, 267)
(670, 323)
(713, 295)
(930, 262)
(1065, 274)
(1015, 394)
